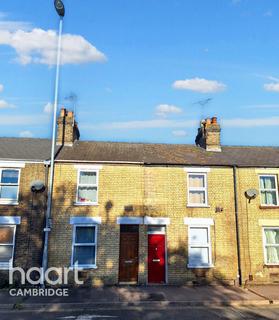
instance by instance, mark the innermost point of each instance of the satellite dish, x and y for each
(38, 186)
(251, 194)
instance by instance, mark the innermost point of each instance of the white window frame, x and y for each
(8, 265)
(84, 266)
(268, 245)
(204, 189)
(201, 245)
(276, 189)
(91, 185)
(10, 201)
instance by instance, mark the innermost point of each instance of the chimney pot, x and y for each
(62, 112)
(214, 120)
(208, 136)
(208, 121)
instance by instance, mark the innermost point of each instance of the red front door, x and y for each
(156, 258)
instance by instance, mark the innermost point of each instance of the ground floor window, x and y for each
(199, 254)
(7, 243)
(84, 246)
(271, 245)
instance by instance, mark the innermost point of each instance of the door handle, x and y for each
(128, 261)
(156, 260)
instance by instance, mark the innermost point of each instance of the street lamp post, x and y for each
(60, 9)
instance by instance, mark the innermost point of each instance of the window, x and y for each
(7, 241)
(199, 247)
(269, 191)
(197, 189)
(271, 245)
(9, 185)
(87, 189)
(84, 246)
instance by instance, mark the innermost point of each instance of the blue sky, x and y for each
(143, 70)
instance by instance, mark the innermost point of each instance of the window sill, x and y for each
(9, 202)
(95, 204)
(198, 206)
(272, 265)
(268, 207)
(200, 267)
(81, 268)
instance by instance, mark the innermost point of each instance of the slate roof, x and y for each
(169, 154)
(24, 149)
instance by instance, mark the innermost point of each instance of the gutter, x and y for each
(237, 225)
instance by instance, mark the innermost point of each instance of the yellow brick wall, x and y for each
(252, 253)
(146, 191)
(29, 234)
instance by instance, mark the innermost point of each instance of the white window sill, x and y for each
(86, 204)
(272, 264)
(80, 268)
(9, 202)
(200, 267)
(198, 206)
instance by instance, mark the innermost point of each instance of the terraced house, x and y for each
(22, 212)
(171, 214)
(137, 213)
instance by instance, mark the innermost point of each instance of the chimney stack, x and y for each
(208, 136)
(67, 129)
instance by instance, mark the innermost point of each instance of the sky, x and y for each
(143, 70)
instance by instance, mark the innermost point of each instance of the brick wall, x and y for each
(146, 191)
(29, 233)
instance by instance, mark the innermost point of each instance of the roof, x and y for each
(25, 149)
(169, 154)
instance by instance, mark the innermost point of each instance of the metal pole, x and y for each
(50, 188)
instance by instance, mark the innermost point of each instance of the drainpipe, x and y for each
(237, 226)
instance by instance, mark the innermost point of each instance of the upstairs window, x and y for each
(87, 189)
(84, 246)
(269, 190)
(9, 185)
(271, 245)
(7, 240)
(197, 189)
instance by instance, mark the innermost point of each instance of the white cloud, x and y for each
(163, 110)
(11, 25)
(27, 120)
(179, 133)
(247, 123)
(5, 105)
(48, 108)
(274, 87)
(141, 124)
(199, 85)
(26, 134)
(40, 46)
(1, 87)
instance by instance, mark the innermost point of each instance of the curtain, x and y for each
(196, 181)
(197, 197)
(269, 197)
(88, 177)
(87, 194)
(267, 182)
(272, 252)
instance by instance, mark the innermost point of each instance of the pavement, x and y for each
(146, 296)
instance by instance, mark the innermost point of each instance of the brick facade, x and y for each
(31, 209)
